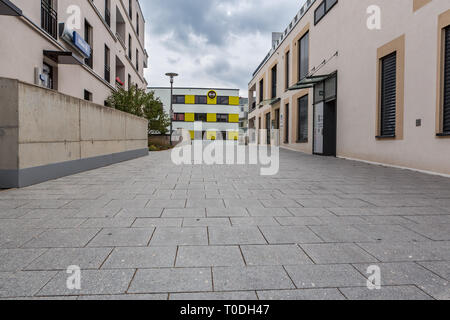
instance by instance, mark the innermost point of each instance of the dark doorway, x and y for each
(329, 132)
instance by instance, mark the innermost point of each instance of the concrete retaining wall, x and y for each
(45, 135)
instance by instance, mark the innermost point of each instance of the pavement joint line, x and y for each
(107, 257)
(131, 281)
(87, 244)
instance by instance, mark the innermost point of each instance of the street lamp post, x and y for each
(172, 75)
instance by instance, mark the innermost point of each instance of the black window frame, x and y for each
(286, 132)
(222, 118)
(446, 77)
(88, 37)
(201, 117)
(88, 95)
(261, 90)
(108, 12)
(107, 75)
(326, 5)
(287, 69)
(201, 99)
(388, 96)
(223, 100)
(49, 18)
(302, 115)
(179, 99)
(303, 54)
(274, 79)
(130, 46)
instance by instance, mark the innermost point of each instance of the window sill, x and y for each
(385, 137)
(302, 142)
(442, 135)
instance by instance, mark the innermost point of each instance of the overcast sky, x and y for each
(211, 43)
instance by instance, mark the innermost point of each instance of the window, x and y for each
(201, 100)
(323, 9)
(108, 12)
(261, 90)
(107, 64)
(201, 117)
(137, 23)
(222, 118)
(49, 76)
(223, 100)
(303, 119)
(129, 82)
(286, 132)
(446, 108)
(49, 18)
(129, 46)
(88, 35)
(87, 95)
(130, 8)
(177, 99)
(287, 69)
(388, 95)
(303, 56)
(274, 82)
(137, 59)
(178, 117)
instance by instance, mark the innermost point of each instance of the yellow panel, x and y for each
(190, 99)
(234, 118)
(233, 135)
(211, 135)
(210, 94)
(192, 135)
(234, 101)
(211, 117)
(189, 117)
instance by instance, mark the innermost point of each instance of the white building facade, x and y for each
(207, 113)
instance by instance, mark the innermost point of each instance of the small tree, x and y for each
(142, 104)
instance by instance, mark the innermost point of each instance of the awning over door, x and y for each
(7, 8)
(62, 57)
(309, 82)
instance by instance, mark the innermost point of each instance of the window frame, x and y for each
(301, 137)
(300, 55)
(326, 8)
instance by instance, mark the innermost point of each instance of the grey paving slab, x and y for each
(184, 213)
(205, 203)
(386, 293)
(431, 220)
(235, 236)
(299, 221)
(11, 238)
(167, 204)
(228, 212)
(13, 213)
(289, 235)
(405, 273)
(212, 296)
(437, 232)
(45, 204)
(93, 282)
(140, 213)
(251, 278)
(269, 212)
(157, 222)
(127, 204)
(408, 251)
(206, 222)
(179, 236)
(309, 212)
(62, 238)
(123, 297)
(23, 283)
(241, 203)
(304, 294)
(268, 255)
(171, 280)
(441, 268)
(209, 256)
(62, 258)
(333, 253)
(17, 259)
(107, 223)
(325, 276)
(341, 233)
(123, 237)
(106, 213)
(142, 258)
(391, 233)
(280, 203)
(253, 221)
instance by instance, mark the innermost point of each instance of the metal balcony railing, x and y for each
(49, 19)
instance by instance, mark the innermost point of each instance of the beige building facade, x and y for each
(81, 48)
(360, 79)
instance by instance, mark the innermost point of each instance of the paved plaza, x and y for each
(147, 229)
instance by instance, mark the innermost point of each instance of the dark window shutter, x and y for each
(303, 119)
(446, 111)
(388, 95)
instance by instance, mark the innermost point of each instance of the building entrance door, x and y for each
(318, 128)
(268, 125)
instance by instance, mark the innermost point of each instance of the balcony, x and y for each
(49, 19)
